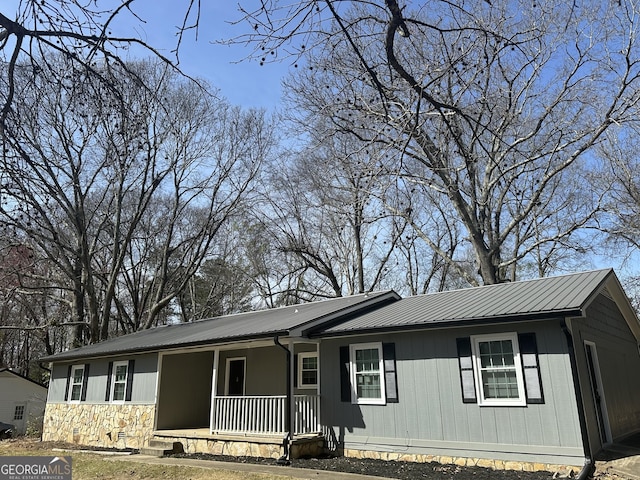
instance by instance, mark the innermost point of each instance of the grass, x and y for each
(90, 466)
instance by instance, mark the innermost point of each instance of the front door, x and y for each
(597, 391)
(235, 376)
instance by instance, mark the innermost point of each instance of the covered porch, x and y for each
(245, 389)
(264, 415)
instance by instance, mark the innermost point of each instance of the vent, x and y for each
(76, 431)
(121, 436)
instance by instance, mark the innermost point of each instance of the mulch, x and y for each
(386, 469)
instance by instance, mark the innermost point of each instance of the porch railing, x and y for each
(264, 415)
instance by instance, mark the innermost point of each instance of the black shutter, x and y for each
(295, 371)
(107, 394)
(390, 377)
(530, 367)
(465, 362)
(66, 390)
(130, 368)
(345, 377)
(85, 381)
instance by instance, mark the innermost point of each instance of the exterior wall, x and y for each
(144, 379)
(14, 391)
(184, 399)
(431, 418)
(265, 369)
(619, 362)
(95, 421)
(101, 425)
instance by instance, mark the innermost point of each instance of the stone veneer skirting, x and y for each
(565, 470)
(245, 446)
(100, 425)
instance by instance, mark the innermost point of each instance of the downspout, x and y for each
(288, 421)
(589, 466)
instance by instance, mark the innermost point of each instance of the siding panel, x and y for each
(431, 407)
(615, 346)
(144, 380)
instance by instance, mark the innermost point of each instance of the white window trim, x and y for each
(244, 377)
(71, 384)
(352, 368)
(302, 355)
(504, 402)
(113, 381)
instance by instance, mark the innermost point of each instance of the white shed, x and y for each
(22, 400)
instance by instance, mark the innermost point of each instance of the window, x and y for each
(367, 370)
(119, 381)
(18, 414)
(307, 370)
(77, 381)
(501, 369)
(498, 371)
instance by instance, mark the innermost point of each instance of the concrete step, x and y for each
(160, 448)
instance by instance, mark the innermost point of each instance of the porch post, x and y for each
(214, 388)
(318, 385)
(292, 403)
(288, 414)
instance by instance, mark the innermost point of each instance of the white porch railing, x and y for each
(264, 415)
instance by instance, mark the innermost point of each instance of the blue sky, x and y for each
(242, 82)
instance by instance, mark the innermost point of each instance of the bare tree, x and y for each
(206, 188)
(125, 192)
(491, 107)
(621, 176)
(327, 214)
(85, 34)
(31, 314)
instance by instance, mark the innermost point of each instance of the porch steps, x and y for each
(160, 448)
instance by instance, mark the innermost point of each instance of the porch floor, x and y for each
(205, 434)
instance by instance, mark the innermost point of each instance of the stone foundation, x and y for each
(563, 470)
(264, 447)
(103, 425)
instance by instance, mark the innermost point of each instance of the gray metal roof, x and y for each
(544, 297)
(243, 326)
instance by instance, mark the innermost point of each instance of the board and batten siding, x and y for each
(431, 417)
(619, 361)
(143, 386)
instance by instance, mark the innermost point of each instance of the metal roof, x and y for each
(242, 326)
(565, 295)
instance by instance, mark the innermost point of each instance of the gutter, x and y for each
(589, 465)
(288, 417)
